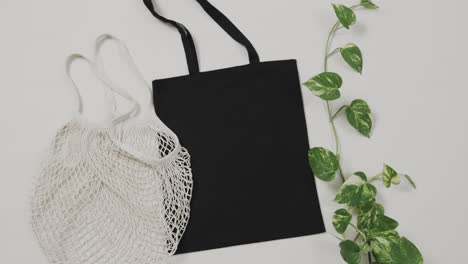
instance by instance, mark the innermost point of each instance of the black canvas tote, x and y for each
(245, 129)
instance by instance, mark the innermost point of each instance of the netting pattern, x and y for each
(96, 202)
(151, 138)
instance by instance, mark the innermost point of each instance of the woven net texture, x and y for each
(95, 203)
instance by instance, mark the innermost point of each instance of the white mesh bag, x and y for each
(95, 201)
(153, 143)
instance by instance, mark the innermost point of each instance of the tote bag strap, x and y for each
(187, 40)
(230, 28)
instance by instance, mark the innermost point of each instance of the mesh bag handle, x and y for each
(146, 111)
(111, 117)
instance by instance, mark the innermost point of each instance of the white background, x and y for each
(414, 80)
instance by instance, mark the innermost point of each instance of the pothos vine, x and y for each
(375, 233)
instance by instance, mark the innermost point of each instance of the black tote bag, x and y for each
(245, 129)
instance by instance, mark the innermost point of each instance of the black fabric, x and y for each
(245, 130)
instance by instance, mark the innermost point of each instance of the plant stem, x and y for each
(337, 148)
(359, 231)
(338, 112)
(370, 257)
(335, 50)
(356, 237)
(376, 177)
(333, 30)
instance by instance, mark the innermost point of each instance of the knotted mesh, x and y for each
(117, 194)
(158, 148)
(97, 203)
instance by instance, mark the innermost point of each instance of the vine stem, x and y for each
(335, 28)
(356, 237)
(330, 117)
(335, 50)
(338, 112)
(376, 177)
(357, 230)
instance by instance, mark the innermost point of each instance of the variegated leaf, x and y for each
(356, 191)
(352, 55)
(341, 220)
(325, 85)
(388, 174)
(359, 117)
(350, 252)
(345, 15)
(323, 163)
(405, 252)
(368, 4)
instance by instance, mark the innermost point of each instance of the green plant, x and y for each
(375, 233)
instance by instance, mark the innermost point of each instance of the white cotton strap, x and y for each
(111, 118)
(68, 63)
(148, 111)
(128, 59)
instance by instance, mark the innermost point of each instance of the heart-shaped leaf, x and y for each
(361, 175)
(388, 174)
(383, 223)
(350, 252)
(405, 252)
(356, 191)
(352, 55)
(345, 15)
(341, 220)
(368, 4)
(323, 163)
(368, 215)
(359, 116)
(381, 244)
(325, 85)
(410, 180)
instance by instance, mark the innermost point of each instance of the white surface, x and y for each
(413, 79)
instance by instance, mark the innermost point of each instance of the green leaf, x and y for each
(352, 55)
(323, 163)
(345, 15)
(348, 190)
(369, 4)
(410, 180)
(367, 192)
(383, 223)
(361, 175)
(368, 215)
(350, 252)
(325, 85)
(359, 117)
(341, 220)
(405, 252)
(381, 244)
(390, 235)
(356, 191)
(387, 175)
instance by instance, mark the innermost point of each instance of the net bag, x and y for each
(148, 139)
(94, 202)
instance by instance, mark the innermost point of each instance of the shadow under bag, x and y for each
(245, 129)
